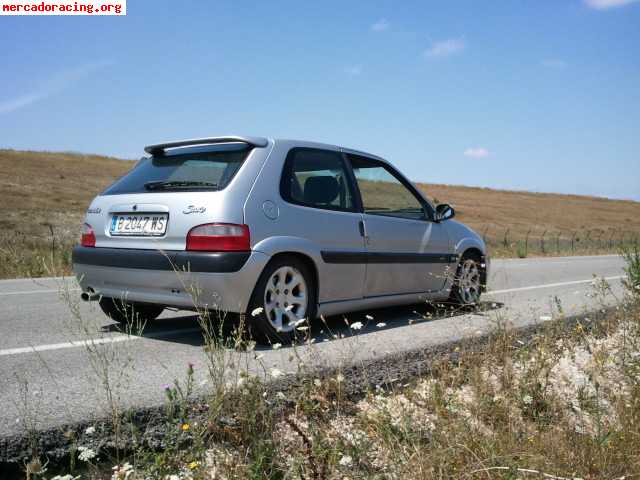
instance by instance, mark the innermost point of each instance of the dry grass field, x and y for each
(44, 195)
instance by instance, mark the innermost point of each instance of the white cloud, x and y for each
(353, 70)
(381, 25)
(605, 4)
(445, 48)
(476, 152)
(52, 85)
(554, 63)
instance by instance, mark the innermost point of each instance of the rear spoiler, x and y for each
(159, 148)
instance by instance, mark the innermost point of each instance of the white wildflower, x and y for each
(356, 326)
(275, 373)
(280, 396)
(90, 430)
(122, 472)
(276, 346)
(257, 311)
(381, 324)
(339, 378)
(527, 400)
(86, 454)
(317, 382)
(346, 461)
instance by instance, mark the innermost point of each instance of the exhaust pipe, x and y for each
(89, 296)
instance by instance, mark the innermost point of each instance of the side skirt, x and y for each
(344, 306)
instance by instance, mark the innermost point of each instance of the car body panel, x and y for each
(423, 270)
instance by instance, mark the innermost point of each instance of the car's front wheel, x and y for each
(129, 312)
(467, 284)
(283, 299)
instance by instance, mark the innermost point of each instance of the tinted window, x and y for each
(210, 168)
(382, 192)
(316, 178)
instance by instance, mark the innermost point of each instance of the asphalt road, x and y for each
(52, 360)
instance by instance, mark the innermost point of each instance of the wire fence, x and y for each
(549, 242)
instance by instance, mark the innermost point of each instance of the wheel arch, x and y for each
(301, 256)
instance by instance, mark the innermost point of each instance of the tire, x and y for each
(467, 284)
(278, 308)
(129, 312)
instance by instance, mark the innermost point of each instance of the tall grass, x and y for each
(27, 255)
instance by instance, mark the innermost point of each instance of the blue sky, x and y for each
(536, 95)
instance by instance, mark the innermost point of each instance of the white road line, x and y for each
(95, 341)
(123, 338)
(27, 292)
(551, 285)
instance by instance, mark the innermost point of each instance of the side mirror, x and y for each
(444, 211)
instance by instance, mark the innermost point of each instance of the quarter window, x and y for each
(316, 178)
(382, 192)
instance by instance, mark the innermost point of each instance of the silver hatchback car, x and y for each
(282, 230)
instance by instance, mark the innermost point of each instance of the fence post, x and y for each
(542, 241)
(526, 243)
(558, 242)
(53, 243)
(573, 240)
(505, 240)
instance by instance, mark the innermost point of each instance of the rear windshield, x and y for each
(194, 169)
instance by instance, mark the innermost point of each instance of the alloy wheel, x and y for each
(469, 283)
(285, 298)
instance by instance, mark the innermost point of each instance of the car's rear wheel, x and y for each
(129, 312)
(467, 284)
(283, 299)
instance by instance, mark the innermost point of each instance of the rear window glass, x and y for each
(196, 168)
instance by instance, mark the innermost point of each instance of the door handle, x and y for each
(363, 232)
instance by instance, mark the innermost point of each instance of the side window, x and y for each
(382, 193)
(316, 178)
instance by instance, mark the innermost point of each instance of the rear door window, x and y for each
(317, 178)
(196, 168)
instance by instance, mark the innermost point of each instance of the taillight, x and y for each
(219, 237)
(87, 236)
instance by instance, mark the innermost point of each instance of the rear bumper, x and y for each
(219, 281)
(210, 262)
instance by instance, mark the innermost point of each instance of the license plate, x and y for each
(144, 225)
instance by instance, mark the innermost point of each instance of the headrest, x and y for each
(321, 189)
